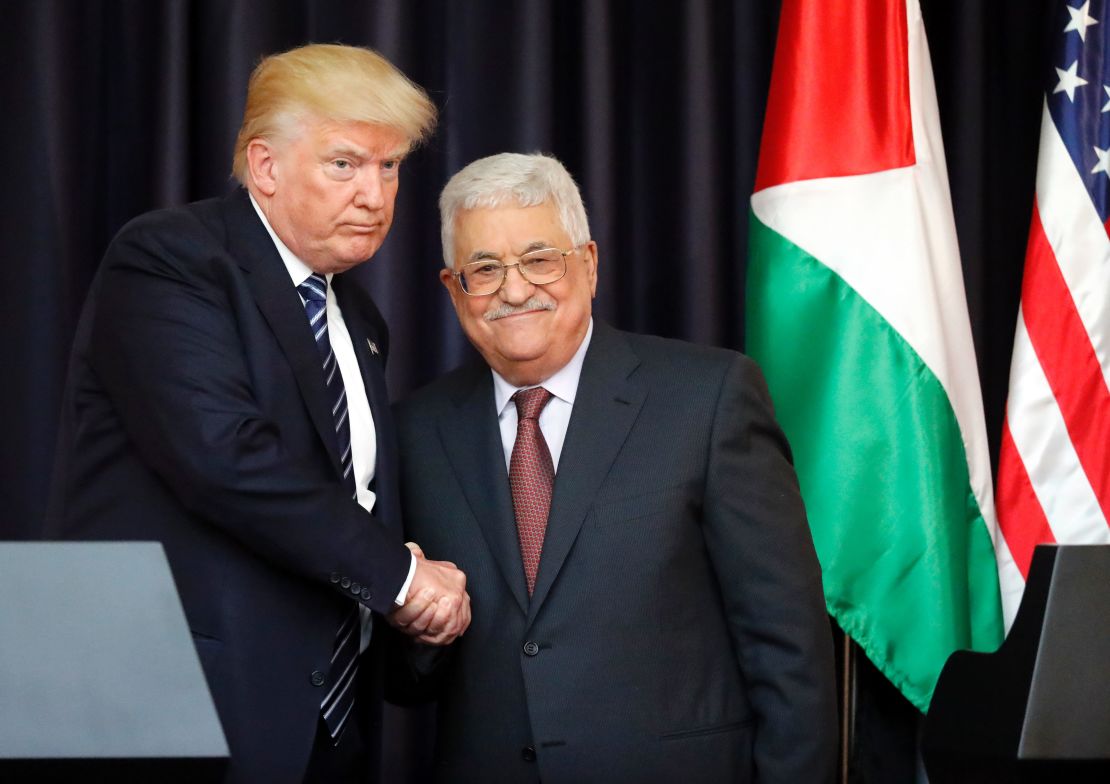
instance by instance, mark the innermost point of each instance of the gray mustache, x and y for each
(533, 303)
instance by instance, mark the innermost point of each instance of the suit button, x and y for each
(528, 753)
(356, 588)
(531, 649)
(317, 678)
(345, 582)
(334, 577)
(366, 594)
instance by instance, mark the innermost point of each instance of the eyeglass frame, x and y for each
(456, 274)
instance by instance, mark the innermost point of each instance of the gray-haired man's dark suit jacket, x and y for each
(677, 631)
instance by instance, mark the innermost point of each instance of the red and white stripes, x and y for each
(1054, 466)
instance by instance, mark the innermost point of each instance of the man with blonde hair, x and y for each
(226, 397)
(648, 599)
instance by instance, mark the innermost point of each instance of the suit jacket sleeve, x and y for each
(167, 347)
(762, 550)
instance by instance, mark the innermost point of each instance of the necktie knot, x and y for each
(530, 402)
(314, 289)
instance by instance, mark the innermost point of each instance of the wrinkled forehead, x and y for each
(508, 229)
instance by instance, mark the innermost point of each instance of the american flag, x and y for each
(1054, 467)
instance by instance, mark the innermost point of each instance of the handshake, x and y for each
(437, 608)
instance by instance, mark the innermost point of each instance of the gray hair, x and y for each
(510, 179)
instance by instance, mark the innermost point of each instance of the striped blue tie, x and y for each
(340, 697)
(315, 293)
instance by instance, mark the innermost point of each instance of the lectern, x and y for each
(99, 678)
(1038, 709)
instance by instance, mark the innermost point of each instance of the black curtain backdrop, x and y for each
(114, 107)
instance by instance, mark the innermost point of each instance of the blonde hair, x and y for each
(329, 82)
(511, 178)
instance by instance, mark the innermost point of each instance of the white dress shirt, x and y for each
(555, 416)
(364, 440)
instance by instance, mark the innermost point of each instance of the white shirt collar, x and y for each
(298, 270)
(563, 384)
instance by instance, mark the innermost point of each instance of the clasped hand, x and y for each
(437, 608)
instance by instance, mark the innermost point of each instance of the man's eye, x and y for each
(539, 263)
(341, 164)
(391, 165)
(487, 269)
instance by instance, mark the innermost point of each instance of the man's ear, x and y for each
(590, 258)
(262, 165)
(447, 278)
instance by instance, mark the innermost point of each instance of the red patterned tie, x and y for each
(531, 475)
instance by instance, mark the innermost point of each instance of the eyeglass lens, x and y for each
(538, 267)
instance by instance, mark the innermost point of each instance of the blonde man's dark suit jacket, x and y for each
(196, 415)
(677, 631)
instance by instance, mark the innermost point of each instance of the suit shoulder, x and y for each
(696, 374)
(199, 216)
(439, 392)
(171, 233)
(681, 354)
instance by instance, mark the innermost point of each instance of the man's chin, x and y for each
(333, 266)
(516, 339)
(356, 253)
(333, 260)
(514, 353)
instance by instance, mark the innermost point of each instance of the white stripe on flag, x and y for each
(1042, 441)
(1077, 237)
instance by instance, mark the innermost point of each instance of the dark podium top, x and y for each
(99, 678)
(1038, 709)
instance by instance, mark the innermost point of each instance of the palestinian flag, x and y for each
(856, 311)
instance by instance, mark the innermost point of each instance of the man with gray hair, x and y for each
(226, 397)
(648, 603)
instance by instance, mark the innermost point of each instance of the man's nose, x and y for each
(370, 193)
(516, 288)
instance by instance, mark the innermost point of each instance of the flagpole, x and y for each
(847, 706)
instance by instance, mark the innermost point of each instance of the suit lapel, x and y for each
(277, 298)
(472, 440)
(369, 348)
(605, 408)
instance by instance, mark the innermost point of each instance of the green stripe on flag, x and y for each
(908, 564)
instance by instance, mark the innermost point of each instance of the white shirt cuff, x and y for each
(400, 600)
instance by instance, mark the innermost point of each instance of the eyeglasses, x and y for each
(538, 267)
